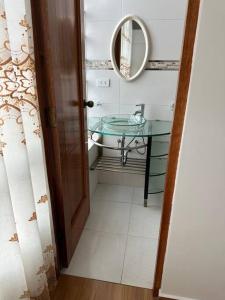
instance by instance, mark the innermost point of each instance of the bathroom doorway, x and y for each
(119, 241)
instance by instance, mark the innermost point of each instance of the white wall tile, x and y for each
(103, 10)
(93, 181)
(158, 87)
(128, 108)
(166, 38)
(92, 154)
(111, 141)
(97, 37)
(156, 9)
(152, 111)
(104, 109)
(160, 112)
(102, 94)
(93, 175)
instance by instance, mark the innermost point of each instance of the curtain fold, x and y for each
(27, 267)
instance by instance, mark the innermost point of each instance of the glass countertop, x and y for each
(149, 128)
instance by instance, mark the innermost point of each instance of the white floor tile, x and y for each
(99, 256)
(116, 193)
(139, 264)
(145, 221)
(109, 216)
(119, 242)
(131, 180)
(153, 200)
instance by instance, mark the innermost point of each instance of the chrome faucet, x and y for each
(141, 111)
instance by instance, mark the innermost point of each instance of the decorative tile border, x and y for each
(170, 65)
(157, 65)
(99, 65)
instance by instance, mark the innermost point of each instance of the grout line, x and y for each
(125, 251)
(105, 232)
(144, 237)
(112, 201)
(126, 235)
(146, 20)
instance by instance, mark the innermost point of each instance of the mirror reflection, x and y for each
(130, 49)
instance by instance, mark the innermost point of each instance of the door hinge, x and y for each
(51, 116)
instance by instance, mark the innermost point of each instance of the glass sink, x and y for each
(124, 125)
(123, 120)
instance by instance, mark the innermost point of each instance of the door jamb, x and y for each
(177, 130)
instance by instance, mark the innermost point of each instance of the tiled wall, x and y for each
(155, 88)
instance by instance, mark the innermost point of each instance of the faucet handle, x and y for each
(142, 111)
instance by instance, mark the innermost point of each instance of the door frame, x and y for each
(50, 138)
(176, 135)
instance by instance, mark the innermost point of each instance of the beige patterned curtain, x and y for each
(27, 269)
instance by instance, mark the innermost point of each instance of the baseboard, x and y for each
(173, 297)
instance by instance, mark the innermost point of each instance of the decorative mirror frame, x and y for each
(113, 41)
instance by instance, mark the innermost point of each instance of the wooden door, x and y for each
(57, 26)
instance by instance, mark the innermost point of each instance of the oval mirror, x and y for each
(130, 48)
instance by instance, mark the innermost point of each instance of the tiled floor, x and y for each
(119, 242)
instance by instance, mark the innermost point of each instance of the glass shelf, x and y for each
(159, 148)
(149, 128)
(158, 166)
(156, 184)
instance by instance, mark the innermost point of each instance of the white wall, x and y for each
(157, 89)
(195, 259)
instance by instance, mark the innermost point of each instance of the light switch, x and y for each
(172, 106)
(103, 82)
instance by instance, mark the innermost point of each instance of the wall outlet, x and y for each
(103, 82)
(172, 106)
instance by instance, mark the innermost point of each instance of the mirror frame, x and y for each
(113, 41)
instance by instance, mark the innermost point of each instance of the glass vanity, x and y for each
(129, 128)
(130, 52)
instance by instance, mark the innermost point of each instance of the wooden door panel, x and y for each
(58, 51)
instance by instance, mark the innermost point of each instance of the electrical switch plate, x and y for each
(172, 106)
(103, 82)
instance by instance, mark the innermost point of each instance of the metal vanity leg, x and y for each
(147, 170)
(123, 151)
